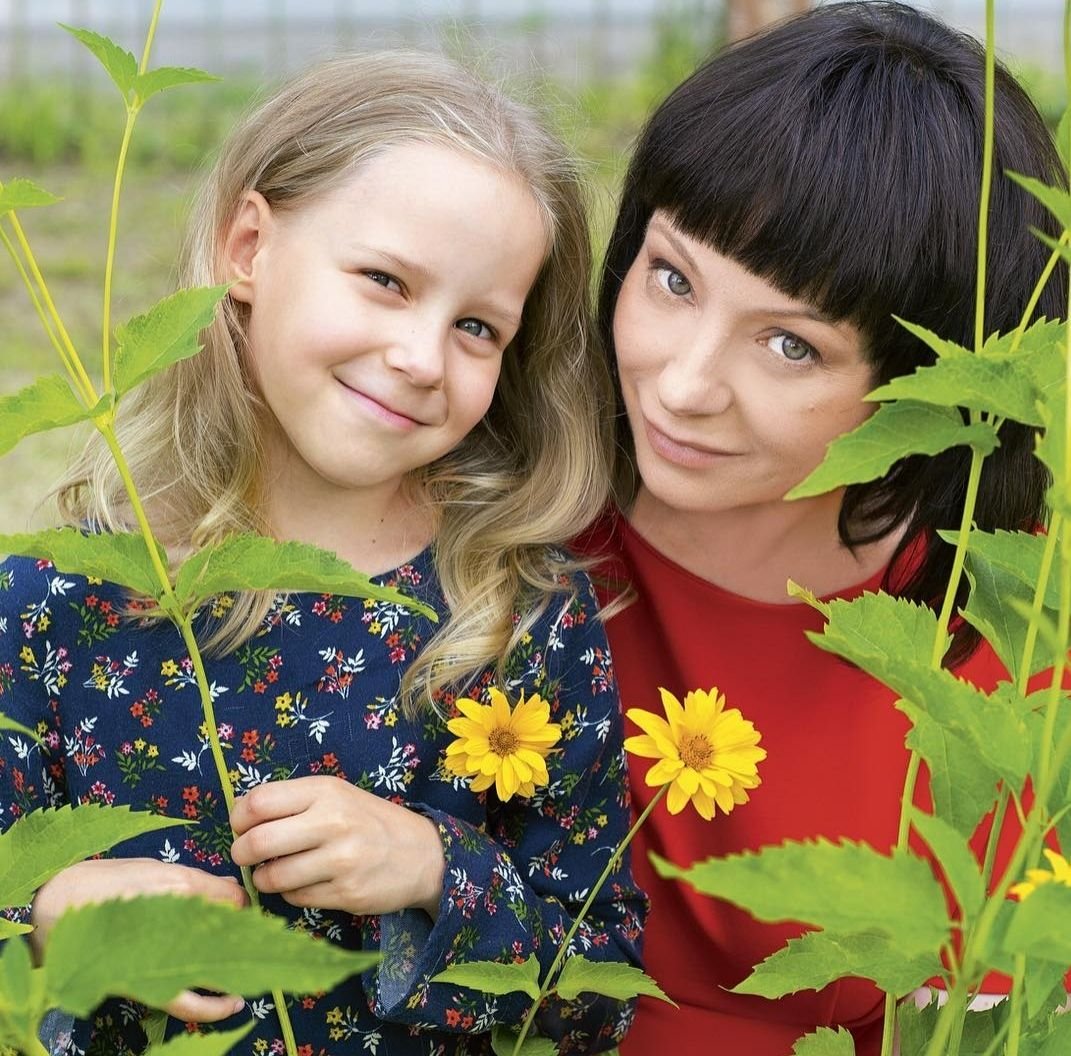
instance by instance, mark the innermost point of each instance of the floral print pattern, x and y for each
(316, 692)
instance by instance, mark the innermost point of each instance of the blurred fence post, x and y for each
(745, 17)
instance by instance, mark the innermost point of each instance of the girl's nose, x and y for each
(695, 379)
(419, 354)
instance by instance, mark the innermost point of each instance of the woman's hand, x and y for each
(321, 842)
(101, 880)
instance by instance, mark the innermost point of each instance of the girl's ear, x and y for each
(247, 236)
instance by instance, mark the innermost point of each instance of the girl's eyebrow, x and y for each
(503, 315)
(799, 310)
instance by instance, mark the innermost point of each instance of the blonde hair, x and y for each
(530, 475)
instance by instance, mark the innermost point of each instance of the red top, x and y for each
(835, 768)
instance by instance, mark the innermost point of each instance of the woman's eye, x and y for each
(792, 348)
(475, 327)
(673, 281)
(388, 282)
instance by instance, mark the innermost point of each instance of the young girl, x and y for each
(783, 204)
(400, 373)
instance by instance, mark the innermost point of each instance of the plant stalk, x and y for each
(563, 948)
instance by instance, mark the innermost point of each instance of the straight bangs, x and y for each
(830, 188)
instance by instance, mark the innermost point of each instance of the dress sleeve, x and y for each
(34, 664)
(513, 889)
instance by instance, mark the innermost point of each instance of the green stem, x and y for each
(208, 708)
(113, 231)
(970, 502)
(1055, 528)
(150, 36)
(39, 308)
(907, 799)
(563, 948)
(168, 601)
(79, 374)
(1015, 1020)
(1035, 296)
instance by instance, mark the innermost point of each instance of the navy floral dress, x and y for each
(315, 692)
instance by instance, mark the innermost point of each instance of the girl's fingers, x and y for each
(275, 839)
(202, 1008)
(296, 871)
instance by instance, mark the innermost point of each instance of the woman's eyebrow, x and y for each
(800, 310)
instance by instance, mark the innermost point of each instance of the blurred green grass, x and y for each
(67, 142)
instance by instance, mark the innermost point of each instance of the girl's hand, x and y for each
(321, 842)
(99, 881)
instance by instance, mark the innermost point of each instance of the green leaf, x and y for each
(1063, 138)
(122, 67)
(1058, 1039)
(493, 977)
(825, 1042)
(957, 862)
(892, 432)
(1003, 386)
(818, 958)
(1018, 553)
(943, 347)
(215, 1044)
(609, 978)
(10, 724)
(168, 332)
(1041, 925)
(886, 637)
(154, 1024)
(23, 194)
(964, 789)
(916, 1026)
(22, 994)
(48, 403)
(504, 1041)
(1055, 199)
(209, 944)
(44, 842)
(259, 563)
(120, 557)
(842, 887)
(9, 929)
(1040, 979)
(164, 77)
(995, 609)
(1052, 449)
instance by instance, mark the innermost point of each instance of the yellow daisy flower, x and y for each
(705, 753)
(504, 747)
(1061, 874)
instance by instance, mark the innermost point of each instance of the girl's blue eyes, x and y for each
(476, 328)
(386, 281)
(467, 325)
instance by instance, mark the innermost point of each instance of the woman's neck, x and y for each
(754, 551)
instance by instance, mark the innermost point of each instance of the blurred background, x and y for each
(595, 66)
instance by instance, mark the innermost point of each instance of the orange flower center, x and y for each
(503, 741)
(696, 751)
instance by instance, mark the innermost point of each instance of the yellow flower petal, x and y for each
(676, 798)
(502, 746)
(664, 771)
(706, 753)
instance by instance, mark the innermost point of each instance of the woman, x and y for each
(783, 204)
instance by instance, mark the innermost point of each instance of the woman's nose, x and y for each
(695, 380)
